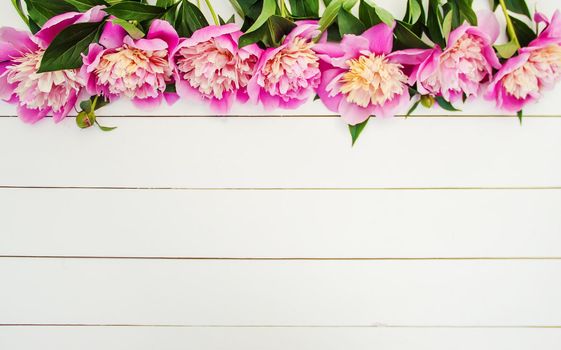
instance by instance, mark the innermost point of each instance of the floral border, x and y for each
(89, 53)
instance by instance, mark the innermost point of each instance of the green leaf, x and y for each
(105, 128)
(370, 14)
(18, 5)
(249, 8)
(40, 11)
(65, 52)
(189, 19)
(238, 8)
(131, 29)
(85, 5)
(232, 19)
(349, 24)
(165, 3)
(445, 104)
(507, 50)
(356, 130)
(406, 39)
(516, 6)
(135, 11)
(304, 8)
(520, 115)
(330, 14)
(271, 33)
(524, 33)
(269, 9)
(414, 10)
(349, 4)
(434, 23)
(467, 12)
(447, 26)
(413, 108)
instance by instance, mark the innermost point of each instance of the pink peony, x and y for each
(465, 64)
(210, 67)
(362, 77)
(523, 78)
(288, 75)
(40, 94)
(137, 69)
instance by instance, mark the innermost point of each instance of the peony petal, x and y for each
(31, 116)
(381, 38)
(112, 36)
(331, 102)
(354, 114)
(55, 25)
(14, 43)
(487, 22)
(163, 30)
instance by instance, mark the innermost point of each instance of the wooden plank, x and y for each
(285, 153)
(280, 224)
(149, 338)
(164, 292)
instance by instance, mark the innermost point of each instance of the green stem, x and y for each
(17, 5)
(94, 103)
(283, 8)
(212, 12)
(509, 25)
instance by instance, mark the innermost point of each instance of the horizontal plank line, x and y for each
(110, 325)
(325, 116)
(201, 258)
(510, 188)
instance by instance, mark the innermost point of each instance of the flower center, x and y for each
(42, 90)
(292, 70)
(542, 69)
(134, 72)
(372, 79)
(214, 70)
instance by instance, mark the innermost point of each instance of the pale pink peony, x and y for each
(210, 67)
(288, 75)
(137, 69)
(523, 78)
(40, 94)
(463, 67)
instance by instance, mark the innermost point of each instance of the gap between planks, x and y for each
(498, 188)
(186, 258)
(109, 325)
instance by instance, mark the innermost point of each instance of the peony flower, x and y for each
(361, 77)
(523, 78)
(138, 69)
(288, 75)
(210, 67)
(40, 94)
(465, 64)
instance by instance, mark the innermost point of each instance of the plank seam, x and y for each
(498, 188)
(110, 325)
(92, 257)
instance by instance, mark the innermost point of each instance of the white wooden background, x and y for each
(181, 230)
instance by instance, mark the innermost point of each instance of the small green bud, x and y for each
(85, 120)
(427, 101)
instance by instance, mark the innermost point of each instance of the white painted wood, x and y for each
(303, 152)
(250, 224)
(128, 338)
(283, 153)
(461, 293)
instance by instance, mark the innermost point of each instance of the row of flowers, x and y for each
(360, 76)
